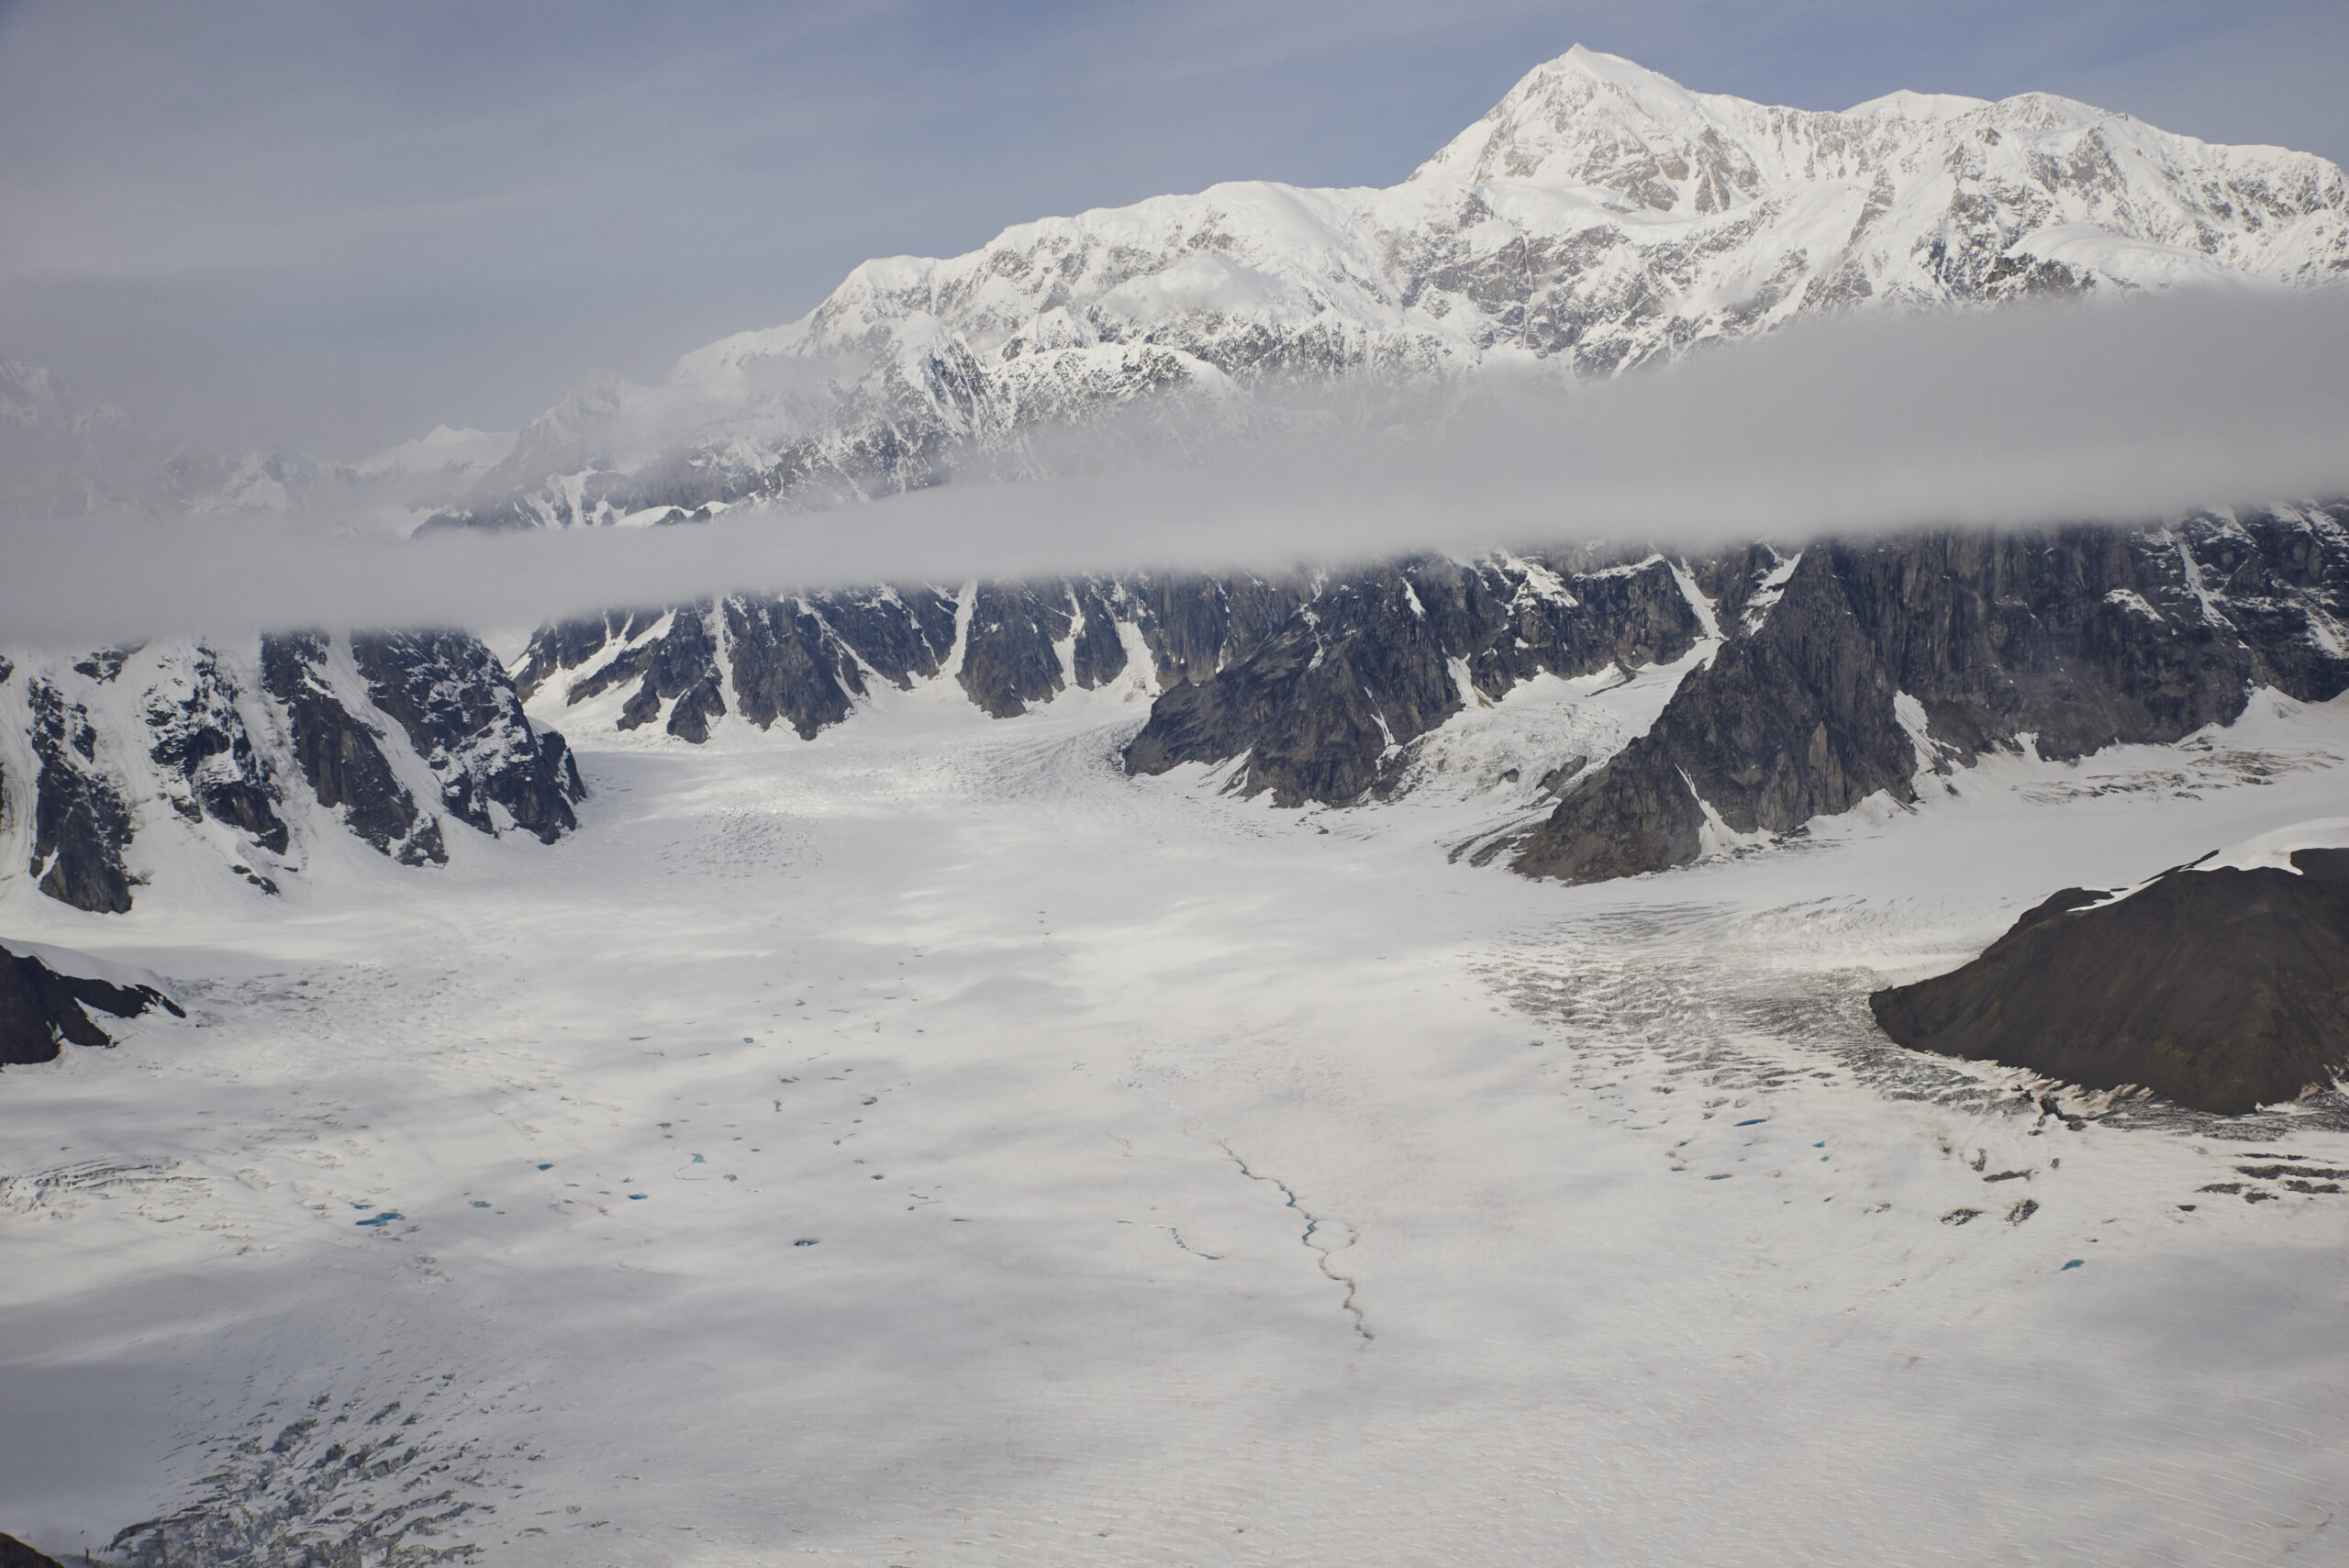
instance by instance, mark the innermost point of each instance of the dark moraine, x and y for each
(2223, 990)
(39, 1007)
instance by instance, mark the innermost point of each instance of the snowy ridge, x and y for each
(2273, 849)
(226, 768)
(1361, 685)
(1600, 216)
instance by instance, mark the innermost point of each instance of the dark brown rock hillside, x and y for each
(462, 714)
(2223, 990)
(14, 1553)
(39, 1007)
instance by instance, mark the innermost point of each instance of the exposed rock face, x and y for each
(1634, 814)
(342, 758)
(1195, 626)
(460, 713)
(1009, 656)
(1836, 672)
(1793, 718)
(462, 719)
(81, 823)
(1318, 682)
(801, 660)
(2223, 990)
(39, 1007)
(202, 741)
(674, 664)
(1329, 702)
(2074, 637)
(806, 660)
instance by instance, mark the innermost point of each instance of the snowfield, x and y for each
(927, 1145)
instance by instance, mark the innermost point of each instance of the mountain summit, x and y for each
(1600, 216)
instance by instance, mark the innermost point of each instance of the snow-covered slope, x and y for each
(925, 1146)
(233, 767)
(1600, 216)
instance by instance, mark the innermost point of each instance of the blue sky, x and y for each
(339, 224)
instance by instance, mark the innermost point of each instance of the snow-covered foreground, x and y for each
(926, 1145)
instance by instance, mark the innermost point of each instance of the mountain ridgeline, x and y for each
(1600, 216)
(1806, 678)
(1812, 677)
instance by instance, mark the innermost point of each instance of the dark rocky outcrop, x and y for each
(789, 665)
(697, 707)
(1195, 627)
(800, 660)
(1833, 666)
(1323, 708)
(680, 660)
(452, 698)
(80, 824)
(14, 1553)
(2223, 990)
(2083, 636)
(2067, 639)
(201, 740)
(1790, 721)
(806, 659)
(341, 756)
(1636, 813)
(39, 1007)
(567, 644)
(1344, 671)
(1009, 656)
(901, 634)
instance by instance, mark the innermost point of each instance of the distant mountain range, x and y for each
(67, 453)
(1600, 218)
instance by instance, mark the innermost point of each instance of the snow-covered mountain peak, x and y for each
(1922, 107)
(442, 449)
(1600, 216)
(1591, 120)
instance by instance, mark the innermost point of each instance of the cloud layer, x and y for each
(2128, 412)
